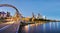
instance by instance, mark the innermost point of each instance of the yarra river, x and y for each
(51, 27)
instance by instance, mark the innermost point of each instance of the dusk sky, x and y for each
(48, 8)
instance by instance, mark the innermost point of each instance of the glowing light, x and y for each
(32, 25)
(26, 28)
(36, 24)
(9, 22)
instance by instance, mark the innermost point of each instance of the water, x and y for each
(52, 27)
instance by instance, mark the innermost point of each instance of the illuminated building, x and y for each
(8, 14)
(2, 14)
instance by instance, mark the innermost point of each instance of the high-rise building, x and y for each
(33, 16)
(39, 16)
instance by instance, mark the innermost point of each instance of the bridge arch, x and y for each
(8, 5)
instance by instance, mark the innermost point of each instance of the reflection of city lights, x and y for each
(44, 27)
(32, 25)
(50, 25)
(54, 24)
(27, 28)
(36, 24)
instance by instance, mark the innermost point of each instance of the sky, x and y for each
(48, 8)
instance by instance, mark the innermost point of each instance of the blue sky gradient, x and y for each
(48, 8)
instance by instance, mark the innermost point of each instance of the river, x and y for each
(51, 27)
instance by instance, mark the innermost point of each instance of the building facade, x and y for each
(2, 14)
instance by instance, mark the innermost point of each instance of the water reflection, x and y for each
(57, 25)
(44, 27)
(26, 28)
(52, 27)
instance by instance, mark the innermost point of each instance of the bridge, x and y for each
(22, 21)
(18, 16)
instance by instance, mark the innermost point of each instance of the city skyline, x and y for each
(29, 16)
(49, 8)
